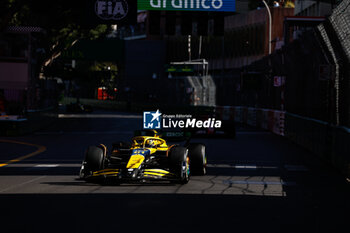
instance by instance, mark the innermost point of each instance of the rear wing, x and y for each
(175, 135)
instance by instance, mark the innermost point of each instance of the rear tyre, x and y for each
(198, 159)
(94, 160)
(179, 163)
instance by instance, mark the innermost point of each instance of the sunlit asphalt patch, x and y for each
(265, 183)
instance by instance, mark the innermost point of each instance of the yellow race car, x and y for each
(147, 158)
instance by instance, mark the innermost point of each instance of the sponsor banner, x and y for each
(188, 5)
(272, 120)
(120, 12)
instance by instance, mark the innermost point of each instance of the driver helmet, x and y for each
(151, 143)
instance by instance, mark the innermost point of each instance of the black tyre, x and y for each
(179, 163)
(198, 159)
(94, 159)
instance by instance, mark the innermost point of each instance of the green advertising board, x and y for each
(188, 5)
(179, 68)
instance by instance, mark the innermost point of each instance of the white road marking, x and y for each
(40, 166)
(54, 161)
(84, 132)
(219, 165)
(113, 132)
(288, 167)
(240, 166)
(99, 116)
(46, 165)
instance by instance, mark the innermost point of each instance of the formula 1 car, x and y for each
(147, 158)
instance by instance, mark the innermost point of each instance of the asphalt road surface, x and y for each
(258, 182)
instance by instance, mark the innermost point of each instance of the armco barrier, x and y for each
(272, 120)
(264, 119)
(329, 142)
(251, 116)
(238, 114)
(340, 153)
(278, 122)
(310, 133)
(228, 113)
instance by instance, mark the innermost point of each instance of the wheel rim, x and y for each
(204, 161)
(186, 169)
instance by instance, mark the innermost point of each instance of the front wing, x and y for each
(134, 175)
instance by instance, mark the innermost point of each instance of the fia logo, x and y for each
(151, 120)
(111, 9)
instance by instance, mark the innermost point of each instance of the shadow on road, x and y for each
(307, 207)
(164, 213)
(40, 171)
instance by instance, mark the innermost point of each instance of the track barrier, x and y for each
(329, 142)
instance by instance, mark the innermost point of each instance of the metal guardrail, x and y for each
(269, 119)
(327, 141)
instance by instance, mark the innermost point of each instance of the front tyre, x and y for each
(198, 159)
(179, 163)
(94, 161)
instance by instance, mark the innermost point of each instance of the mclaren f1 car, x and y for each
(148, 157)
